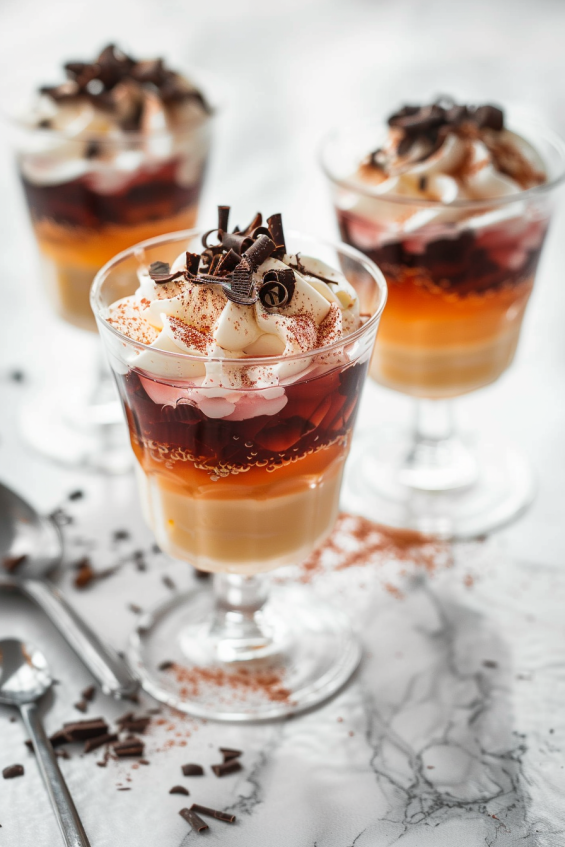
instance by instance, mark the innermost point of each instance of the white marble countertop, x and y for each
(453, 732)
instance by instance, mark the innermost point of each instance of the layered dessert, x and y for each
(240, 369)
(113, 155)
(447, 206)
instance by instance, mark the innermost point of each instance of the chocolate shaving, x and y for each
(214, 264)
(277, 288)
(13, 771)
(100, 741)
(213, 813)
(160, 272)
(223, 218)
(257, 221)
(192, 770)
(197, 824)
(132, 723)
(277, 234)
(166, 665)
(236, 242)
(259, 251)
(179, 789)
(225, 768)
(127, 748)
(192, 263)
(229, 753)
(83, 730)
(228, 262)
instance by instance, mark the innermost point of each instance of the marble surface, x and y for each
(452, 733)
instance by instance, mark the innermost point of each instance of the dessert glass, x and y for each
(103, 195)
(458, 290)
(241, 497)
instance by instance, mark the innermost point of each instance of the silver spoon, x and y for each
(23, 533)
(24, 679)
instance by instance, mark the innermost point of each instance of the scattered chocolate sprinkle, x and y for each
(179, 789)
(13, 771)
(227, 767)
(166, 665)
(89, 693)
(81, 706)
(124, 789)
(229, 753)
(17, 376)
(490, 663)
(197, 824)
(133, 607)
(129, 747)
(45, 123)
(92, 150)
(144, 762)
(62, 753)
(12, 563)
(213, 813)
(192, 770)
(168, 582)
(423, 183)
(202, 574)
(100, 741)
(77, 494)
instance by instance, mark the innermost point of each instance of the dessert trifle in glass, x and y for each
(113, 155)
(453, 202)
(240, 360)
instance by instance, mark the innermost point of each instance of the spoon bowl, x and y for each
(24, 679)
(30, 548)
(24, 673)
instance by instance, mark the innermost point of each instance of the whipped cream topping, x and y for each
(88, 120)
(188, 310)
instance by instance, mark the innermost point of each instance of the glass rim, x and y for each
(371, 191)
(257, 361)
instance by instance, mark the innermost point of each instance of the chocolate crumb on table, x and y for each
(197, 824)
(12, 771)
(88, 693)
(81, 706)
(229, 753)
(179, 789)
(227, 767)
(192, 770)
(130, 747)
(213, 813)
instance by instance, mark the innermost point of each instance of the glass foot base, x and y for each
(308, 654)
(378, 486)
(77, 435)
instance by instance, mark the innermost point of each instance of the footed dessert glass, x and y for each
(89, 199)
(458, 289)
(238, 482)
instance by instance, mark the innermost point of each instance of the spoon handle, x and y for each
(61, 800)
(102, 661)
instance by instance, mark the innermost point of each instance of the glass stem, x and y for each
(239, 627)
(438, 460)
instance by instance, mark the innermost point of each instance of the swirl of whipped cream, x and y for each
(88, 119)
(186, 317)
(459, 158)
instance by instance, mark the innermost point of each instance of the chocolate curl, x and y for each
(489, 117)
(236, 241)
(277, 234)
(160, 272)
(192, 263)
(223, 218)
(277, 288)
(205, 244)
(257, 221)
(241, 288)
(260, 230)
(260, 250)
(214, 264)
(228, 262)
